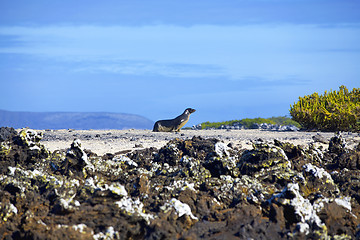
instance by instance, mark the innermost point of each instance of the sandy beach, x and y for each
(113, 141)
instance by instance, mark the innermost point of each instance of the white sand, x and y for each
(112, 141)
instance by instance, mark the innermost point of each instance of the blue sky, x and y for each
(227, 59)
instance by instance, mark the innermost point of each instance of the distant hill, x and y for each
(73, 120)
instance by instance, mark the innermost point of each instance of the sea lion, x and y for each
(173, 124)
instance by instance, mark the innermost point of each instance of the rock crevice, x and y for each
(188, 189)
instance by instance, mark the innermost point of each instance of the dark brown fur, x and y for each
(173, 124)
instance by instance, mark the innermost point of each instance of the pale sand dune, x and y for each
(112, 141)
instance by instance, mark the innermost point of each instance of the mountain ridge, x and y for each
(73, 120)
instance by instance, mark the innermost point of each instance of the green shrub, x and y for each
(248, 122)
(205, 125)
(285, 121)
(332, 111)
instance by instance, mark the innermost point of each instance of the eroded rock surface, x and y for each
(189, 189)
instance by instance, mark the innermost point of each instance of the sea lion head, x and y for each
(189, 110)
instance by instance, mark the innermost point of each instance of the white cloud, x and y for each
(150, 68)
(267, 51)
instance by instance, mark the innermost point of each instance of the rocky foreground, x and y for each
(188, 189)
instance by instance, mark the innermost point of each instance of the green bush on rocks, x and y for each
(248, 123)
(332, 111)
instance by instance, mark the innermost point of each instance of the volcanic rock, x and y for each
(189, 189)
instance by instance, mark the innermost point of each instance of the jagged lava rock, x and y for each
(189, 189)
